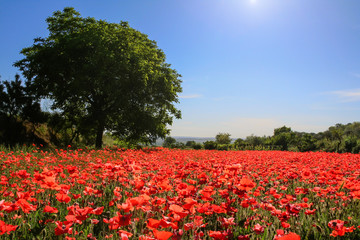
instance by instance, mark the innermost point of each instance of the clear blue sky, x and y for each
(248, 66)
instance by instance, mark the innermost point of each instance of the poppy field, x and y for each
(179, 194)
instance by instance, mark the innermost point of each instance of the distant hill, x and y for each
(160, 141)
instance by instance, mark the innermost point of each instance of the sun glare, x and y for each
(253, 1)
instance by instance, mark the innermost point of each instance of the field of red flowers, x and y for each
(179, 194)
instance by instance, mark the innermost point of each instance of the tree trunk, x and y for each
(99, 134)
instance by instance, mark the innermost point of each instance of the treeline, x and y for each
(340, 138)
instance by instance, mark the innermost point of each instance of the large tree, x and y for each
(106, 76)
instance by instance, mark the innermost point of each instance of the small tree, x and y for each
(223, 138)
(239, 143)
(283, 129)
(210, 145)
(254, 141)
(169, 142)
(190, 143)
(283, 137)
(197, 146)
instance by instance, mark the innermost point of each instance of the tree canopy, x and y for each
(223, 138)
(103, 77)
(16, 106)
(16, 102)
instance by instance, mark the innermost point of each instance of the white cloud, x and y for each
(352, 95)
(190, 96)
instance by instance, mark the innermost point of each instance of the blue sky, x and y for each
(248, 66)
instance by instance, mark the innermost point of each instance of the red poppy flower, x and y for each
(6, 228)
(285, 224)
(153, 223)
(63, 227)
(126, 207)
(118, 221)
(124, 235)
(98, 211)
(246, 184)
(310, 212)
(218, 235)
(63, 197)
(258, 229)
(290, 236)
(162, 235)
(50, 209)
(25, 206)
(243, 237)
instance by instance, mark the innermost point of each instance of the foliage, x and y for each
(254, 141)
(197, 146)
(190, 143)
(281, 130)
(179, 145)
(210, 145)
(223, 138)
(193, 145)
(282, 137)
(306, 143)
(103, 76)
(17, 101)
(339, 138)
(169, 142)
(239, 143)
(223, 146)
(18, 107)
